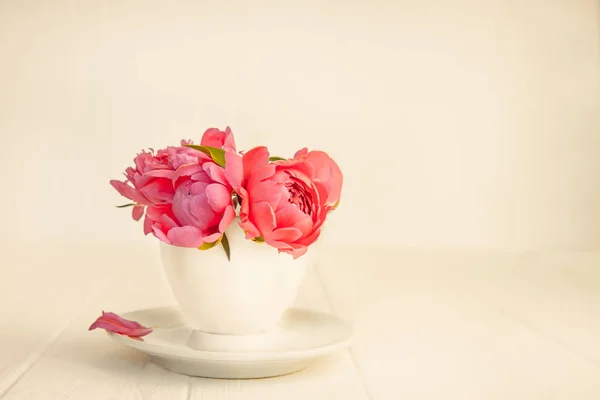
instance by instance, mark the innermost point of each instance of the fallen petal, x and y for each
(111, 322)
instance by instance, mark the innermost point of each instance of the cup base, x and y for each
(204, 341)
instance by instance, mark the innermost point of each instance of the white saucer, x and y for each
(300, 337)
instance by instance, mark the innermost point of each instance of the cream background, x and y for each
(458, 124)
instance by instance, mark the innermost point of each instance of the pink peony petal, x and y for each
(258, 157)
(114, 323)
(218, 196)
(148, 225)
(269, 191)
(185, 236)
(287, 235)
(310, 239)
(221, 139)
(263, 217)
(292, 217)
(301, 152)
(215, 173)
(160, 235)
(160, 173)
(250, 229)
(328, 173)
(155, 211)
(184, 173)
(137, 213)
(213, 237)
(159, 190)
(234, 170)
(228, 217)
(127, 191)
(295, 252)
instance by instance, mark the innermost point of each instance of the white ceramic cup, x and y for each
(244, 296)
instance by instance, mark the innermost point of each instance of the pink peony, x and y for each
(113, 323)
(285, 202)
(151, 180)
(201, 210)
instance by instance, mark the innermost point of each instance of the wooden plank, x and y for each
(556, 295)
(43, 286)
(422, 333)
(88, 365)
(81, 364)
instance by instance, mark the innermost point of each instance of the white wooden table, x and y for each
(429, 325)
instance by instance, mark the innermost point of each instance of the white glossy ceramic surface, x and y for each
(245, 295)
(300, 337)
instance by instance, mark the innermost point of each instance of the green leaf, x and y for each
(217, 155)
(259, 239)
(337, 204)
(129, 205)
(206, 245)
(225, 243)
(274, 158)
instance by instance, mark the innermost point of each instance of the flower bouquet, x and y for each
(233, 225)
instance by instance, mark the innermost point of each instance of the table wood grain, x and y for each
(428, 325)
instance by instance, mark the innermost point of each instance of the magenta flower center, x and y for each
(299, 196)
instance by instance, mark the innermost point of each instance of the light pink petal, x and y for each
(167, 222)
(228, 217)
(114, 323)
(213, 137)
(301, 152)
(160, 173)
(269, 191)
(112, 317)
(291, 216)
(245, 203)
(137, 213)
(160, 235)
(295, 252)
(328, 173)
(221, 139)
(310, 239)
(287, 235)
(213, 237)
(245, 223)
(278, 245)
(148, 225)
(159, 190)
(127, 191)
(256, 158)
(229, 143)
(250, 229)
(280, 176)
(262, 215)
(185, 236)
(185, 171)
(216, 173)
(260, 174)
(156, 211)
(234, 170)
(218, 196)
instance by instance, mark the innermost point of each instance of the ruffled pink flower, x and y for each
(113, 323)
(201, 211)
(150, 181)
(285, 202)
